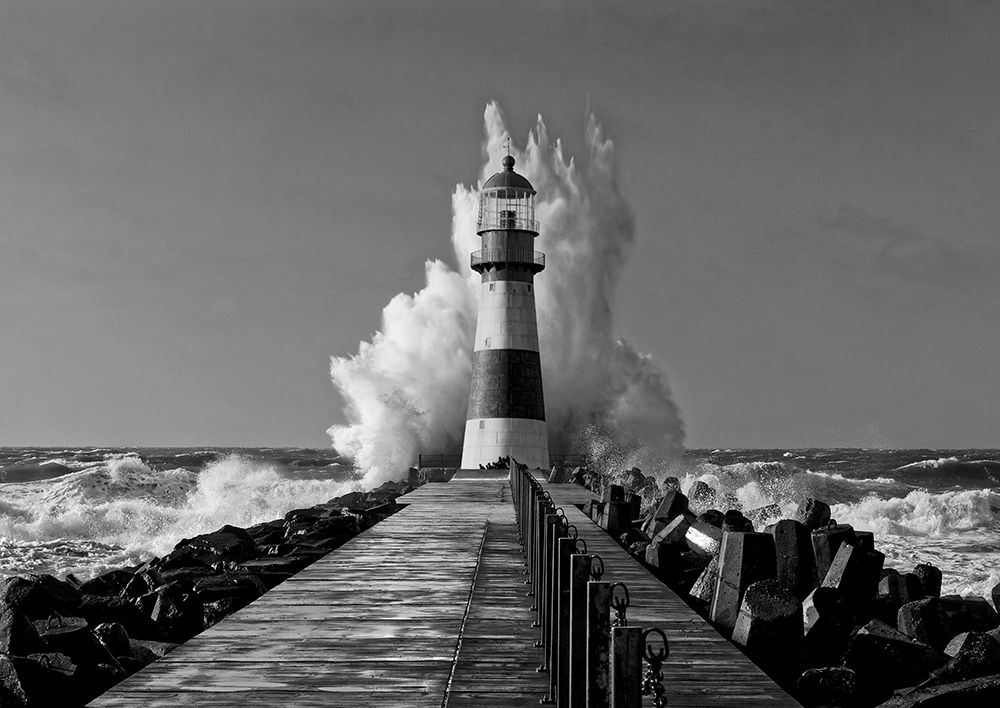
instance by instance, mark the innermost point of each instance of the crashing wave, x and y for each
(132, 511)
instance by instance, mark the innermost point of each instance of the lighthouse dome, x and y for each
(508, 179)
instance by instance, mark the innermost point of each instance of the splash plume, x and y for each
(406, 391)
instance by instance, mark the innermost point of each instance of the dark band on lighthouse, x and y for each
(506, 414)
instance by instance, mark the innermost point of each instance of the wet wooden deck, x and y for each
(427, 608)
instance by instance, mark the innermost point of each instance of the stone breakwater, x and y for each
(808, 599)
(65, 642)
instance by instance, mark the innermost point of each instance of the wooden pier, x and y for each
(428, 608)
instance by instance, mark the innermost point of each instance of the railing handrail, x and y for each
(507, 255)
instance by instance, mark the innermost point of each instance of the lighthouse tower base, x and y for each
(486, 439)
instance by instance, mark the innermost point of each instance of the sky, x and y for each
(201, 202)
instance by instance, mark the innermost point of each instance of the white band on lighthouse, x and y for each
(486, 439)
(507, 316)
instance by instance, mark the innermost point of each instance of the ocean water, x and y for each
(86, 510)
(924, 506)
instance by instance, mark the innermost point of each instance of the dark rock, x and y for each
(114, 638)
(97, 609)
(925, 621)
(864, 539)
(632, 536)
(158, 649)
(975, 693)
(930, 579)
(826, 542)
(813, 513)
(110, 583)
(178, 614)
(42, 679)
(833, 686)
(637, 549)
(973, 655)
(145, 580)
(39, 596)
(744, 558)
(217, 610)
(70, 636)
(189, 574)
(182, 557)
(884, 659)
(17, 634)
(229, 543)
(769, 626)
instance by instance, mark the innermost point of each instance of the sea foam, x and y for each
(127, 511)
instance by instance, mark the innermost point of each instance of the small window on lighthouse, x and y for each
(482, 424)
(492, 286)
(489, 341)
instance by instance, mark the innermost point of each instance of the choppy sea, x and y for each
(85, 510)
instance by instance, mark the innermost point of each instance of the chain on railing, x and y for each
(592, 658)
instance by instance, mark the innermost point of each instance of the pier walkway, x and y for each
(427, 608)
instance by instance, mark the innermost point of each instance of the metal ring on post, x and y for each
(619, 604)
(652, 681)
(574, 534)
(578, 542)
(596, 571)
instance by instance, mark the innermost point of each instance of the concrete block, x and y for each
(661, 556)
(826, 542)
(813, 513)
(674, 533)
(701, 496)
(762, 513)
(735, 521)
(827, 686)
(795, 562)
(924, 621)
(703, 538)
(914, 588)
(616, 517)
(930, 579)
(713, 517)
(613, 493)
(704, 587)
(864, 539)
(885, 659)
(769, 626)
(673, 504)
(856, 573)
(744, 558)
(827, 621)
(973, 655)
(968, 614)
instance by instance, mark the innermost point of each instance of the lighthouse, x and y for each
(506, 415)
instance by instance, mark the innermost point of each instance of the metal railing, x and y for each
(449, 460)
(507, 255)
